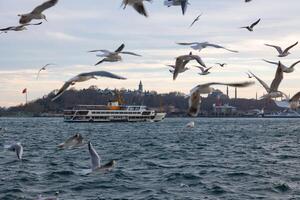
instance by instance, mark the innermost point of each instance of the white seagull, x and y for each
(251, 27)
(204, 71)
(182, 3)
(18, 148)
(37, 12)
(72, 142)
(282, 53)
(113, 56)
(284, 68)
(195, 98)
(181, 62)
(43, 69)
(202, 45)
(84, 77)
(18, 28)
(190, 125)
(272, 91)
(138, 5)
(95, 160)
(40, 197)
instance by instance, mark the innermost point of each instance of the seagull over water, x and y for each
(284, 68)
(18, 148)
(202, 45)
(251, 27)
(294, 102)
(84, 77)
(95, 160)
(43, 69)
(272, 91)
(113, 56)
(282, 53)
(37, 12)
(182, 61)
(72, 142)
(195, 98)
(40, 197)
(18, 28)
(138, 5)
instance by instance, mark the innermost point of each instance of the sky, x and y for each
(76, 26)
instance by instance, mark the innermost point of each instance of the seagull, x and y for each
(180, 71)
(84, 77)
(40, 197)
(113, 56)
(247, 1)
(195, 20)
(284, 68)
(204, 71)
(182, 61)
(202, 45)
(182, 3)
(74, 141)
(294, 102)
(272, 91)
(18, 148)
(250, 28)
(37, 12)
(249, 75)
(95, 160)
(18, 28)
(138, 5)
(195, 98)
(190, 124)
(43, 69)
(280, 51)
(221, 64)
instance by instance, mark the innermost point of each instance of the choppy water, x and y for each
(218, 159)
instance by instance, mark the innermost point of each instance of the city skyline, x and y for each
(75, 27)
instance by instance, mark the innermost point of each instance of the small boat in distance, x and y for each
(112, 112)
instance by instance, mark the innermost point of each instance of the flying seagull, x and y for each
(204, 71)
(195, 20)
(251, 27)
(280, 51)
(272, 91)
(113, 56)
(84, 77)
(294, 102)
(138, 5)
(195, 98)
(180, 71)
(182, 3)
(43, 69)
(18, 28)
(182, 61)
(221, 64)
(72, 142)
(284, 68)
(37, 12)
(95, 160)
(202, 45)
(18, 148)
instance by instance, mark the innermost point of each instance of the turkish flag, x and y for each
(24, 91)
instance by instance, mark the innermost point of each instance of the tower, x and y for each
(141, 87)
(227, 91)
(235, 93)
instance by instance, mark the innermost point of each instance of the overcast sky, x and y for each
(76, 26)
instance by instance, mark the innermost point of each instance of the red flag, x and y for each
(24, 91)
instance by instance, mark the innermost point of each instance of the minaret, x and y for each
(141, 87)
(227, 92)
(235, 93)
(256, 96)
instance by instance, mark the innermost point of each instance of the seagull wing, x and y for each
(103, 74)
(276, 47)
(220, 47)
(199, 60)
(206, 70)
(199, 67)
(255, 23)
(19, 150)
(62, 90)
(95, 158)
(32, 24)
(195, 20)
(140, 8)
(277, 80)
(179, 65)
(296, 63)
(267, 88)
(289, 48)
(187, 43)
(184, 4)
(194, 102)
(274, 63)
(118, 50)
(295, 98)
(8, 28)
(238, 84)
(44, 6)
(130, 53)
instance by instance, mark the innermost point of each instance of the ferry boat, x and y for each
(112, 112)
